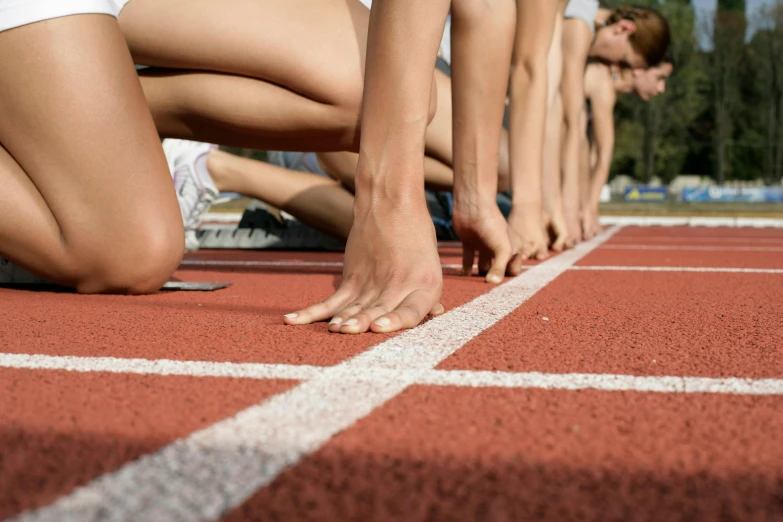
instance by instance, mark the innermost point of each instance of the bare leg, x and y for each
(282, 75)
(535, 27)
(87, 200)
(314, 200)
(392, 276)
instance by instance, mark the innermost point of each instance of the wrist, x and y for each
(468, 195)
(527, 204)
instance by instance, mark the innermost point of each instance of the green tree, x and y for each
(727, 28)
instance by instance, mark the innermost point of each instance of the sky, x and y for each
(707, 8)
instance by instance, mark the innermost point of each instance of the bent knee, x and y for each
(134, 265)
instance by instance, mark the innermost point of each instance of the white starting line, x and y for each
(598, 268)
(621, 246)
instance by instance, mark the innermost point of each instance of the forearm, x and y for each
(599, 179)
(481, 57)
(529, 93)
(570, 163)
(585, 174)
(526, 130)
(576, 43)
(402, 46)
(552, 158)
(552, 180)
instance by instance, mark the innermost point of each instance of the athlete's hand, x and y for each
(528, 240)
(559, 239)
(483, 230)
(392, 277)
(590, 225)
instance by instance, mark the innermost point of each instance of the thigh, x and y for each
(78, 127)
(315, 48)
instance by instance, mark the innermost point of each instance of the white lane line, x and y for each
(616, 246)
(692, 221)
(380, 374)
(292, 264)
(619, 240)
(205, 475)
(199, 262)
(597, 268)
(159, 367)
(230, 263)
(604, 382)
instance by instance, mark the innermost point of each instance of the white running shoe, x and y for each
(195, 189)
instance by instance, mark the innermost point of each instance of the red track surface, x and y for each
(445, 452)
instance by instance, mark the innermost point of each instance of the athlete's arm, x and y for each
(392, 276)
(481, 42)
(527, 125)
(576, 45)
(603, 130)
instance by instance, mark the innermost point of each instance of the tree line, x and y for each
(722, 113)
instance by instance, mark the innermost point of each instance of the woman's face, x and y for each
(651, 82)
(612, 44)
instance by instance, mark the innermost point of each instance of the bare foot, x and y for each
(392, 276)
(529, 242)
(483, 230)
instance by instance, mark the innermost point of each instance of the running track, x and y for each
(637, 377)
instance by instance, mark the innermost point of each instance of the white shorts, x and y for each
(585, 10)
(15, 13)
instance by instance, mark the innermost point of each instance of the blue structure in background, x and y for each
(733, 195)
(645, 194)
